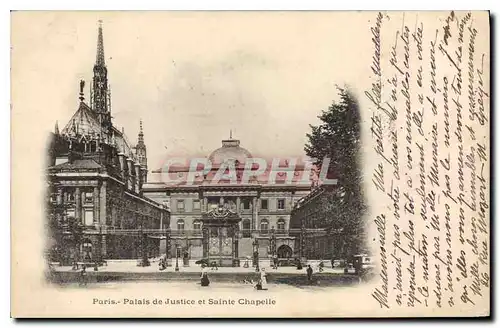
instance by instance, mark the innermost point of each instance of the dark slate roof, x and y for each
(88, 164)
(84, 121)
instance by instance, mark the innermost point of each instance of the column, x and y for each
(205, 241)
(255, 214)
(59, 198)
(78, 205)
(104, 250)
(238, 204)
(102, 204)
(59, 202)
(138, 178)
(96, 204)
(205, 204)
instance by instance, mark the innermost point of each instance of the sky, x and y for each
(193, 76)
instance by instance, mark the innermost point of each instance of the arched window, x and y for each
(197, 225)
(264, 226)
(281, 226)
(246, 228)
(180, 225)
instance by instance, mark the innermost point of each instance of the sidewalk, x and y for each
(130, 266)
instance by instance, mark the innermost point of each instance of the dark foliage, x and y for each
(338, 137)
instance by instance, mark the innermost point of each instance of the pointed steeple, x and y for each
(100, 93)
(140, 148)
(99, 60)
(56, 129)
(140, 139)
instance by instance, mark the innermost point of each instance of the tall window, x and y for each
(281, 204)
(246, 228)
(180, 225)
(88, 197)
(264, 226)
(180, 205)
(264, 204)
(245, 204)
(197, 225)
(281, 226)
(196, 204)
(69, 196)
(89, 217)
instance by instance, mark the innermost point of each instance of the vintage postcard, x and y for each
(250, 164)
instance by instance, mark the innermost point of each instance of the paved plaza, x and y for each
(131, 266)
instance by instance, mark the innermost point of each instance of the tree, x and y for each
(337, 137)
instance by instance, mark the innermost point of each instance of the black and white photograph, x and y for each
(250, 164)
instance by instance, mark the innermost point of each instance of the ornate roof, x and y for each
(230, 151)
(84, 122)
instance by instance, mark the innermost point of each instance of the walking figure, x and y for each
(309, 272)
(204, 277)
(262, 283)
(162, 264)
(299, 264)
(320, 266)
(83, 276)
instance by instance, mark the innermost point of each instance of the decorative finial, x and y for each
(82, 85)
(56, 129)
(230, 134)
(140, 126)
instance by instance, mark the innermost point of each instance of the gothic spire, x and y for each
(140, 148)
(99, 60)
(141, 133)
(100, 91)
(56, 129)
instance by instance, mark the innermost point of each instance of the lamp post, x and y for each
(272, 240)
(272, 248)
(177, 257)
(302, 241)
(168, 246)
(255, 245)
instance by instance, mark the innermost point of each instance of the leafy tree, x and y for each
(337, 137)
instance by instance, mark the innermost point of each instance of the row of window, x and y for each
(69, 196)
(245, 204)
(246, 225)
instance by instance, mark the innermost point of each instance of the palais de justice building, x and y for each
(226, 221)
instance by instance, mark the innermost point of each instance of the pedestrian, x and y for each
(162, 264)
(320, 266)
(299, 264)
(204, 277)
(262, 282)
(309, 273)
(83, 276)
(275, 262)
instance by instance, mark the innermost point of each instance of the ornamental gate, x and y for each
(220, 237)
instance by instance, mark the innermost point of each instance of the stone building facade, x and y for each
(319, 232)
(263, 208)
(95, 204)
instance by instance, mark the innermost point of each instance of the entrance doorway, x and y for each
(284, 252)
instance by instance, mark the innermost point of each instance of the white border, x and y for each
(6, 6)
